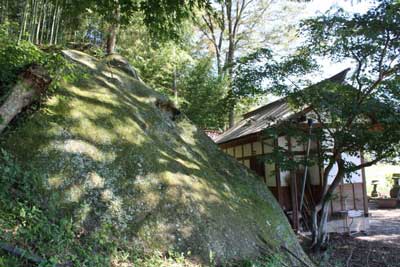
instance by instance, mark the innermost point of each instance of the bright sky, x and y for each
(315, 8)
(319, 7)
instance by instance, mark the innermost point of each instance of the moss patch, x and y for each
(121, 171)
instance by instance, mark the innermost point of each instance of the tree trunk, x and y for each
(23, 23)
(113, 32)
(43, 23)
(32, 23)
(33, 82)
(320, 212)
(53, 22)
(58, 25)
(175, 88)
(230, 57)
(112, 38)
(321, 234)
(229, 71)
(39, 22)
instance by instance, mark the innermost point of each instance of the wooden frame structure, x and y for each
(249, 151)
(246, 142)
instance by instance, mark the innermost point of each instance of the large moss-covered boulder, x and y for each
(120, 162)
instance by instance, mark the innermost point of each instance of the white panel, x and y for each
(312, 170)
(257, 148)
(355, 177)
(238, 151)
(297, 146)
(270, 174)
(282, 142)
(268, 146)
(246, 150)
(285, 175)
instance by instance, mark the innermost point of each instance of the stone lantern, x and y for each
(394, 192)
(374, 192)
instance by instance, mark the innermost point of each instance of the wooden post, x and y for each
(354, 196)
(278, 177)
(364, 179)
(263, 161)
(293, 189)
(341, 195)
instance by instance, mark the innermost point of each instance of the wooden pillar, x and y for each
(320, 163)
(263, 160)
(354, 196)
(293, 190)
(341, 194)
(278, 177)
(364, 186)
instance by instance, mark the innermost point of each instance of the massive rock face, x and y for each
(115, 154)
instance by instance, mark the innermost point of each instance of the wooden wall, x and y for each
(250, 150)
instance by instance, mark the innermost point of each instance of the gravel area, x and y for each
(379, 247)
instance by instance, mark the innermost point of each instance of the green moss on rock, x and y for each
(120, 168)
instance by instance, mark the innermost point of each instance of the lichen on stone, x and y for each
(111, 158)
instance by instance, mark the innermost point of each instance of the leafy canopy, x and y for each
(163, 18)
(360, 114)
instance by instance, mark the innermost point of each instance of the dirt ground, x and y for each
(379, 247)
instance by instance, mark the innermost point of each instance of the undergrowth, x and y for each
(16, 56)
(30, 221)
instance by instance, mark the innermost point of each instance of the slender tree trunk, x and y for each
(175, 88)
(43, 23)
(53, 22)
(112, 38)
(23, 23)
(112, 35)
(113, 31)
(58, 25)
(38, 26)
(32, 22)
(228, 68)
(4, 10)
(321, 209)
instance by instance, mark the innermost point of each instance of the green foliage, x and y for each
(354, 114)
(109, 163)
(204, 97)
(26, 207)
(13, 58)
(201, 93)
(156, 64)
(363, 112)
